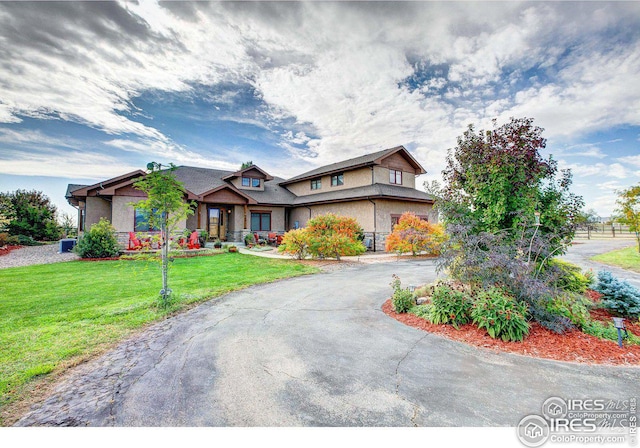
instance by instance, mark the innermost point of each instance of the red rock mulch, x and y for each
(541, 343)
(6, 249)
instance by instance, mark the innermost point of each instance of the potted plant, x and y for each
(204, 236)
(217, 244)
(232, 249)
(249, 240)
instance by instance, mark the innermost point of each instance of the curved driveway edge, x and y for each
(314, 351)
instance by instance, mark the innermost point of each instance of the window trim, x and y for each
(339, 179)
(248, 179)
(260, 213)
(316, 184)
(395, 176)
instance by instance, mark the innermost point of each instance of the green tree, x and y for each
(166, 207)
(496, 180)
(628, 211)
(67, 225)
(246, 164)
(6, 211)
(33, 215)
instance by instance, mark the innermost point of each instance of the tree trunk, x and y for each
(165, 260)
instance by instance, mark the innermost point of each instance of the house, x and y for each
(375, 189)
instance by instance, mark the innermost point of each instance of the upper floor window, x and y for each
(251, 182)
(395, 177)
(337, 179)
(316, 184)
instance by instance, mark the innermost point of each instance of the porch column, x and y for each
(246, 211)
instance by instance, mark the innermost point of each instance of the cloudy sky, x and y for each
(93, 90)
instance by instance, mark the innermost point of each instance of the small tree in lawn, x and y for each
(334, 236)
(166, 207)
(629, 210)
(413, 234)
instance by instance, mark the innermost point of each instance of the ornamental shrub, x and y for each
(500, 315)
(402, 299)
(617, 295)
(569, 277)
(99, 242)
(333, 236)
(449, 306)
(413, 234)
(295, 243)
(573, 306)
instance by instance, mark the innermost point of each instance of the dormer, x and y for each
(250, 178)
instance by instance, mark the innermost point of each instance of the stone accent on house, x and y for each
(379, 238)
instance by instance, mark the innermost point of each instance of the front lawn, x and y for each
(52, 316)
(627, 258)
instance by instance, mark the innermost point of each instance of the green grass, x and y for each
(55, 315)
(627, 258)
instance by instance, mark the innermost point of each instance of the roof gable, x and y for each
(225, 194)
(252, 171)
(375, 158)
(88, 190)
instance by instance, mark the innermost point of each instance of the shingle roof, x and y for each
(365, 160)
(369, 191)
(200, 180)
(73, 187)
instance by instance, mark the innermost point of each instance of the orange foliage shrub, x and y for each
(414, 235)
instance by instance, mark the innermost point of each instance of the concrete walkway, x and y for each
(315, 351)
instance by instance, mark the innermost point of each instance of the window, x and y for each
(141, 223)
(316, 184)
(395, 177)
(261, 221)
(251, 182)
(337, 179)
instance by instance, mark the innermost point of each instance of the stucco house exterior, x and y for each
(375, 189)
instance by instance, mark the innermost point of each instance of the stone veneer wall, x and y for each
(380, 239)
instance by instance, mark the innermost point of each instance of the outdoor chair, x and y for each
(271, 238)
(134, 242)
(194, 241)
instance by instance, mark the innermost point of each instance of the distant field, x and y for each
(627, 258)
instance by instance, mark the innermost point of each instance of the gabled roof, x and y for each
(249, 199)
(83, 191)
(73, 187)
(374, 158)
(375, 191)
(266, 175)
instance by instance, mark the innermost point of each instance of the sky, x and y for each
(93, 90)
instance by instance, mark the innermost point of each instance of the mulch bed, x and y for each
(574, 346)
(6, 249)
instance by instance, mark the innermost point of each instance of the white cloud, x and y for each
(603, 170)
(74, 164)
(632, 160)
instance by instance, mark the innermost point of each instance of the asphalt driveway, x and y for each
(314, 351)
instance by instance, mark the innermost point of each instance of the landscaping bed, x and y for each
(573, 346)
(6, 249)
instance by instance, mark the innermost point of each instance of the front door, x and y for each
(216, 223)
